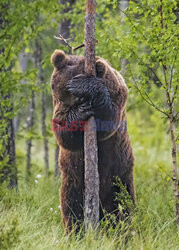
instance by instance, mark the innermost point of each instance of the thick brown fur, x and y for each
(114, 150)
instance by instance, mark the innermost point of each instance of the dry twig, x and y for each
(69, 46)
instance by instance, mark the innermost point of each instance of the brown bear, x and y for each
(77, 97)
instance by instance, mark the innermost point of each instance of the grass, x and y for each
(30, 218)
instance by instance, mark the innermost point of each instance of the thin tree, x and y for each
(172, 116)
(30, 120)
(123, 5)
(90, 140)
(31, 116)
(41, 80)
(29, 125)
(159, 65)
(8, 169)
(64, 30)
(23, 60)
(65, 24)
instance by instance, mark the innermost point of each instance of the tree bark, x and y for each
(23, 59)
(175, 176)
(38, 60)
(64, 30)
(30, 124)
(64, 26)
(90, 140)
(90, 40)
(8, 170)
(171, 121)
(123, 5)
(174, 148)
(174, 152)
(12, 155)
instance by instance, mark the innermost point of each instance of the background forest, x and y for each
(140, 39)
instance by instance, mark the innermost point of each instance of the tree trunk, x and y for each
(64, 30)
(38, 60)
(90, 141)
(174, 149)
(91, 176)
(123, 5)
(8, 170)
(12, 155)
(30, 124)
(64, 26)
(90, 40)
(23, 58)
(171, 120)
(175, 175)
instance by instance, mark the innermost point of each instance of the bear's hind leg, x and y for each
(71, 205)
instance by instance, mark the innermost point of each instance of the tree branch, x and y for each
(174, 94)
(66, 43)
(145, 96)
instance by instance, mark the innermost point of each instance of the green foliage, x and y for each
(21, 22)
(125, 203)
(149, 45)
(9, 235)
(20, 26)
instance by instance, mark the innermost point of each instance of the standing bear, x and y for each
(77, 97)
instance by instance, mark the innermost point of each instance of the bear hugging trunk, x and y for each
(77, 97)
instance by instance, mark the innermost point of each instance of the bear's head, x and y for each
(68, 66)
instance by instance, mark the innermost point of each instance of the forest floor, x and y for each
(30, 218)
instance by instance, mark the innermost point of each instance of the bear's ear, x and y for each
(100, 68)
(58, 59)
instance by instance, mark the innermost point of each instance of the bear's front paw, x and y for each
(80, 112)
(82, 87)
(86, 111)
